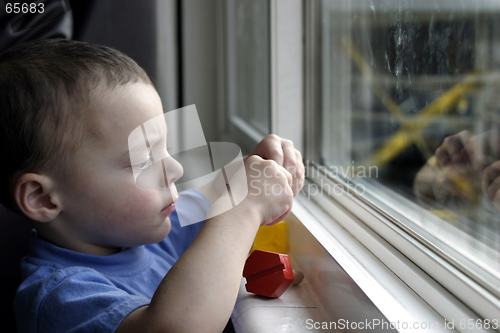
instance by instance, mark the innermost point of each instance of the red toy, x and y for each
(268, 273)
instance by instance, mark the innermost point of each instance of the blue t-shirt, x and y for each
(67, 291)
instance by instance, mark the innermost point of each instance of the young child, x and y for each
(106, 254)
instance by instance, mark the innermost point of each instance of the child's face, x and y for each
(102, 205)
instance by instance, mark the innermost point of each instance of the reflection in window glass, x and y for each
(411, 109)
(249, 57)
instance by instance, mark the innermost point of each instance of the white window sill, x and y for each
(289, 313)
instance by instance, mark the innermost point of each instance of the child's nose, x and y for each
(174, 169)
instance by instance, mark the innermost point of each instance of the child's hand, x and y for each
(282, 151)
(269, 190)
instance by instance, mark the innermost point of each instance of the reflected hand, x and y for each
(453, 151)
(453, 170)
(465, 149)
(490, 183)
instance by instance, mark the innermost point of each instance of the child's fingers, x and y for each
(270, 148)
(448, 178)
(475, 152)
(490, 182)
(287, 174)
(493, 188)
(289, 156)
(292, 161)
(452, 149)
(442, 156)
(449, 150)
(299, 183)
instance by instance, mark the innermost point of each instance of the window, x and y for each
(410, 120)
(248, 78)
(395, 107)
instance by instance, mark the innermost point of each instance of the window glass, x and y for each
(248, 62)
(410, 109)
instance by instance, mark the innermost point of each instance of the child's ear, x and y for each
(35, 197)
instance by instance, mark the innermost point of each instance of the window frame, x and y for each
(286, 85)
(231, 126)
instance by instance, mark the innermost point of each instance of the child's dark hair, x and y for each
(45, 86)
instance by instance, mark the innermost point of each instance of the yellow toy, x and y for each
(273, 238)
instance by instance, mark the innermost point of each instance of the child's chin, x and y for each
(165, 229)
(161, 231)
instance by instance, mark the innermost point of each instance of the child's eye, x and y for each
(143, 165)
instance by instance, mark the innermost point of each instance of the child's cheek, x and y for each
(141, 202)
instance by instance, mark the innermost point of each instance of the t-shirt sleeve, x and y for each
(194, 203)
(74, 300)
